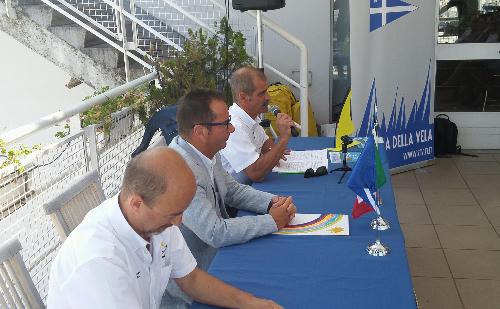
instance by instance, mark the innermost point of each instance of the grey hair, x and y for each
(242, 80)
(143, 181)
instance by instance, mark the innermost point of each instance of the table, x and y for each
(321, 271)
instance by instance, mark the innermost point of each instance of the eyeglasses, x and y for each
(215, 124)
(320, 171)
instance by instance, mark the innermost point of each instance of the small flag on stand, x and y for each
(360, 207)
(366, 178)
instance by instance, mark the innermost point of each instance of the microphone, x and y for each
(273, 109)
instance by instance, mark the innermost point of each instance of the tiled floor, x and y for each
(450, 216)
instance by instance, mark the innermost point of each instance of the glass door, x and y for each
(468, 70)
(340, 60)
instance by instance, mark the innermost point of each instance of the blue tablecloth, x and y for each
(321, 271)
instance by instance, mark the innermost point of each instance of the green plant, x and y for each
(65, 132)
(12, 156)
(232, 56)
(102, 113)
(206, 61)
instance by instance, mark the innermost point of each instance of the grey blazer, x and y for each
(206, 225)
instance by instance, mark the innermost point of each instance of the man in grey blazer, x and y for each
(204, 127)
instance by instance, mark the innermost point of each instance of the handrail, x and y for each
(9, 8)
(95, 32)
(190, 16)
(304, 84)
(282, 75)
(14, 135)
(124, 41)
(140, 23)
(260, 40)
(87, 18)
(220, 6)
(211, 30)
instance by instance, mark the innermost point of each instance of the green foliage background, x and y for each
(206, 61)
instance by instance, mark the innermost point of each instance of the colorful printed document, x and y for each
(317, 224)
(336, 157)
(300, 161)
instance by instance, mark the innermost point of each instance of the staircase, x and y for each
(88, 38)
(85, 54)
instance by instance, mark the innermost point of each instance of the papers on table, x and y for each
(317, 224)
(300, 161)
(336, 157)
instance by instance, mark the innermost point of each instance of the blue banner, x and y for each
(393, 64)
(407, 140)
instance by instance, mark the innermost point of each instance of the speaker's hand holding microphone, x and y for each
(285, 124)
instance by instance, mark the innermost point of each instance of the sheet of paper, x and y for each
(317, 224)
(300, 161)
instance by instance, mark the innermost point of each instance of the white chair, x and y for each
(17, 290)
(69, 208)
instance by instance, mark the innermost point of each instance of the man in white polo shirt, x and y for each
(125, 251)
(250, 154)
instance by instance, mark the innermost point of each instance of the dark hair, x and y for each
(143, 181)
(242, 80)
(194, 108)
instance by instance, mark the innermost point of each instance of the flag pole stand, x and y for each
(378, 249)
(380, 224)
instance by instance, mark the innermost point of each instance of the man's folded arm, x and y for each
(202, 219)
(245, 197)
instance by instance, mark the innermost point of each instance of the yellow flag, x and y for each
(345, 125)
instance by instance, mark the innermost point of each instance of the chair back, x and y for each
(163, 120)
(69, 208)
(17, 289)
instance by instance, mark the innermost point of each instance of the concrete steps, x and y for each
(77, 50)
(35, 34)
(108, 56)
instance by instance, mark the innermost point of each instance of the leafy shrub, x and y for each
(206, 61)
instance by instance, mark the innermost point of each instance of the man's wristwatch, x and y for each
(270, 205)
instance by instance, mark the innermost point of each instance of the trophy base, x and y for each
(380, 224)
(377, 249)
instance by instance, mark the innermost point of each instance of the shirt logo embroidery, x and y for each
(164, 246)
(138, 274)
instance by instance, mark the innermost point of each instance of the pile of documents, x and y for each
(300, 161)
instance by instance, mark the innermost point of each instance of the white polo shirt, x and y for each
(104, 263)
(244, 145)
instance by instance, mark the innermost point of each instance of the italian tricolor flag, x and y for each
(367, 177)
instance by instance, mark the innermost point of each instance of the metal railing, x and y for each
(47, 172)
(241, 23)
(11, 12)
(155, 28)
(100, 26)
